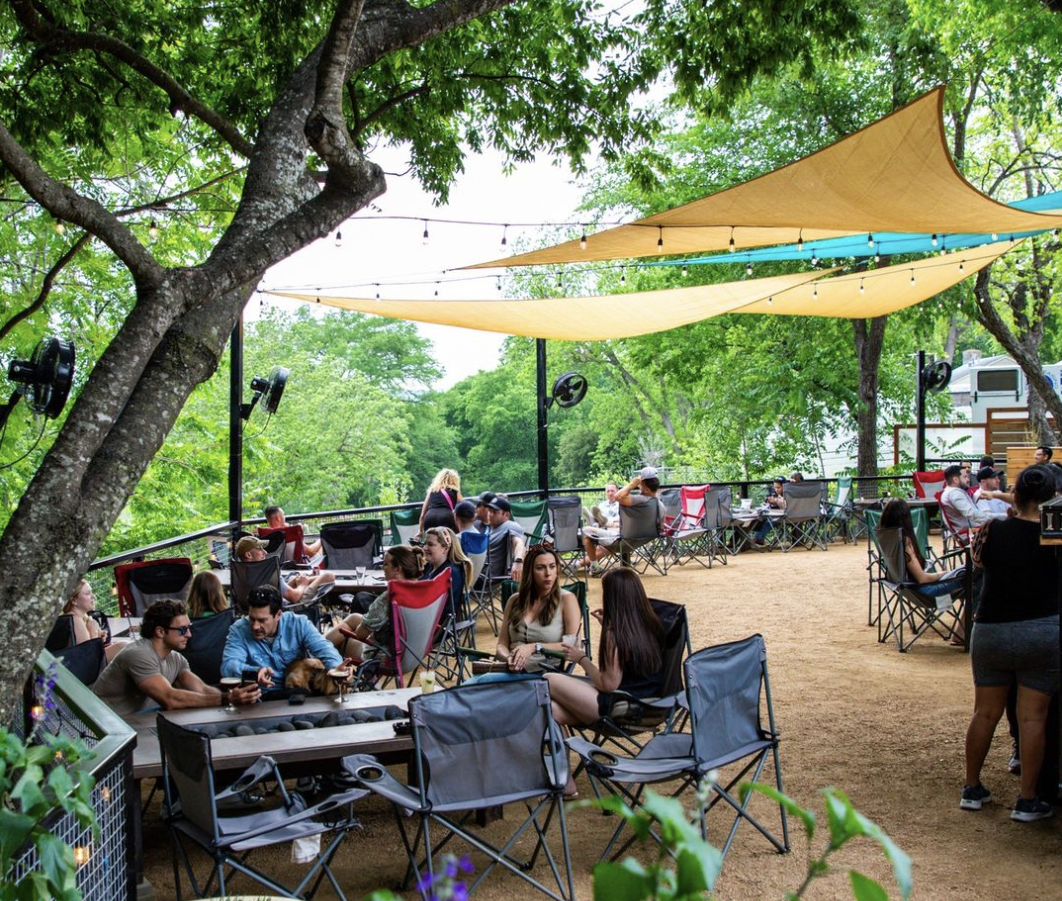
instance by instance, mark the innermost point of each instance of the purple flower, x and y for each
(465, 863)
(424, 884)
(460, 892)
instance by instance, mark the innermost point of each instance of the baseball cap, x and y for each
(465, 510)
(987, 472)
(648, 472)
(485, 498)
(500, 503)
(781, 479)
(249, 543)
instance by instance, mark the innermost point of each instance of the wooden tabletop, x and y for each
(301, 746)
(346, 579)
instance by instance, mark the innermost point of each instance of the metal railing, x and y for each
(107, 864)
(203, 545)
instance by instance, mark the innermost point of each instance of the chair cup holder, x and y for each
(369, 773)
(603, 758)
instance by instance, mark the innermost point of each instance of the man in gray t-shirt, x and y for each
(152, 672)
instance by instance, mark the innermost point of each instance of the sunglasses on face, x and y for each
(180, 630)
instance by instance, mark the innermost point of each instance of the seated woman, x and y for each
(399, 562)
(206, 596)
(629, 654)
(79, 605)
(897, 515)
(442, 550)
(535, 618)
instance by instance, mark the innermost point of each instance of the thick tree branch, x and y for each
(64, 202)
(389, 105)
(46, 286)
(180, 99)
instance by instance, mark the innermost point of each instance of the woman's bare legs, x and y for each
(348, 647)
(574, 700)
(989, 703)
(1032, 715)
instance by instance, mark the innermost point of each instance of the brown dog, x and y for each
(309, 675)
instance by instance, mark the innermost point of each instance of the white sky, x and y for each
(393, 251)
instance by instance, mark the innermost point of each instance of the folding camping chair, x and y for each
(294, 542)
(206, 643)
(247, 575)
(348, 545)
(952, 535)
(726, 687)
(191, 811)
(416, 611)
(639, 540)
(85, 660)
(141, 584)
(685, 534)
(927, 484)
(62, 635)
(405, 524)
(480, 599)
(839, 513)
(533, 518)
(800, 524)
(565, 519)
(480, 746)
(717, 519)
(908, 604)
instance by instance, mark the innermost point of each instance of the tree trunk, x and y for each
(868, 345)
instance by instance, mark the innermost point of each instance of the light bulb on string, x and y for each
(505, 235)
(623, 276)
(815, 292)
(499, 284)
(560, 282)
(748, 269)
(995, 236)
(660, 237)
(733, 246)
(685, 272)
(377, 290)
(425, 237)
(912, 277)
(59, 227)
(582, 242)
(814, 259)
(800, 241)
(934, 240)
(870, 241)
(436, 289)
(339, 238)
(862, 290)
(962, 265)
(877, 254)
(770, 300)
(153, 230)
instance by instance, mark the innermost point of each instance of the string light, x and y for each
(82, 853)
(623, 276)
(660, 238)
(733, 246)
(436, 289)
(153, 230)
(814, 259)
(499, 283)
(912, 277)
(582, 242)
(59, 227)
(560, 282)
(877, 255)
(770, 300)
(424, 238)
(377, 290)
(505, 237)
(815, 292)
(1054, 232)
(339, 238)
(748, 269)
(862, 290)
(105, 793)
(685, 272)
(934, 239)
(870, 241)
(962, 265)
(318, 299)
(800, 241)
(995, 236)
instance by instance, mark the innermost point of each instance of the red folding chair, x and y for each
(954, 538)
(927, 484)
(142, 583)
(294, 548)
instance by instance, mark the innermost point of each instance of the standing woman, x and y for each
(442, 550)
(1015, 639)
(444, 493)
(630, 654)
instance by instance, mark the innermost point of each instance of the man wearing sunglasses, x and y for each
(152, 672)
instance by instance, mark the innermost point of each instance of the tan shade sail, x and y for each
(884, 290)
(577, 318)
(896, 175)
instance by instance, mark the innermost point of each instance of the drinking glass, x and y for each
(427, 681)
(228, 683)
(359, 571)
(570, 639)
(341, 674)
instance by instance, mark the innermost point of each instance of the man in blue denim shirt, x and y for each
(269, 639)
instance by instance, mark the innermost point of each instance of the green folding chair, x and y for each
(404, 525)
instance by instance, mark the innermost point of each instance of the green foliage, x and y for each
(38, 777)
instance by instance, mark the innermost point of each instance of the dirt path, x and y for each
(885, 727)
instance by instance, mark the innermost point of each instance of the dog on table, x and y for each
(310, 676)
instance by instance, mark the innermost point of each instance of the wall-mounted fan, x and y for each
(568, 390)
(268, 391)
(45, 380)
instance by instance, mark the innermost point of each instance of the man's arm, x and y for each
(517, 544)
(316, 644)
(170, 697)
(235, 656)
(961, 503)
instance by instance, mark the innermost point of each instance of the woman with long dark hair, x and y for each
(897, 515)
(1015, 640)
(629, 655)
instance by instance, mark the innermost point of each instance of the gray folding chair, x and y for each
(191, 812)
(86, 660)
(907, 605)
(248, 575)
(565, 519)
(726, 687)
(716, 521)
(800, 524)
(348, 545)
(480, 746)
(206, 644)
(640, 542)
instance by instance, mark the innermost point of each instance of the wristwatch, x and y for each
(518, 560)
(538, 647)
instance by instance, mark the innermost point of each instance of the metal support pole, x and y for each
(543, 437)
(920, 416)
(236, 424)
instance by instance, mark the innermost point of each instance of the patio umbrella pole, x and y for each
(236, 426)
(543, 438)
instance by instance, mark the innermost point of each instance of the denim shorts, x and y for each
(1025, 651)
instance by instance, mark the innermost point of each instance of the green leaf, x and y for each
(382, 894)
(56, 858)
(697, 867)
(15, 829)
(671, 815)
(866, 889)
(901, 862)
(619, 882)
(791, 806)
(837, 807)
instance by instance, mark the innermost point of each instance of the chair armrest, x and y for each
(327, 805)
(474, 653)
(374, 776)
(257, 772)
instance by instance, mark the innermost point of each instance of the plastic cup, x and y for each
(569, 639)
(427, 681)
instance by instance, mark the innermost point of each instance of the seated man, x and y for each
(775, 501)
(957, 503)
(249, 549)
(647, 482)
(482, 523)
(269, 639)
(151, 672)
(606, 513)
(988, 497)
(505, 548)
(274, 516)
(1043, 454)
